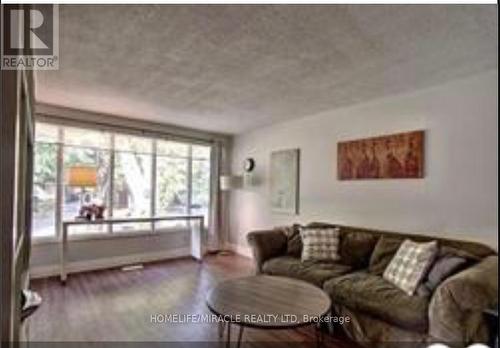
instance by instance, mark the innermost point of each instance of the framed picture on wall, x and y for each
(284, 181)
(395, 156)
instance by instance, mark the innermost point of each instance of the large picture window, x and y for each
(136, 177)
(171, 181)
(132, 181)
(45, 180)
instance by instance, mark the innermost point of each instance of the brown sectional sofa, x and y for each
(380, 313)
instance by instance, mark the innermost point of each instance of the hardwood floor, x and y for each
(113, 305)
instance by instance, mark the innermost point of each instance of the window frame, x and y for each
(109, 233)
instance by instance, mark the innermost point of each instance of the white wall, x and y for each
(457, 198)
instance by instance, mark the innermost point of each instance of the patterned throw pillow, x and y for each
(320, 244)
(410, 265)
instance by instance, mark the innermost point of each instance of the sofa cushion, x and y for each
(410, 265)
(444, 267)
(356, 248)
(316, 272)
(475, 250)
(384, 251)
(371, 294)
(452, 251)
(294, 242)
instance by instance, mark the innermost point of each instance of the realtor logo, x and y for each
(30, 37)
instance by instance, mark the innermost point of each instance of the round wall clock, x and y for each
(249, 165)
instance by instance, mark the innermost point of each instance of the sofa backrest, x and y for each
(475, 249)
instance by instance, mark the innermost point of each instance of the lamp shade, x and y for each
(82, 176)
(230, 182)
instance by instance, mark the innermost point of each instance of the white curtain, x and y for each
(218, 215)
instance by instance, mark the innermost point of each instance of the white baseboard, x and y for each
(109, 262)
(242, 250)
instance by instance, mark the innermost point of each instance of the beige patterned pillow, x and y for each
(320, 244)
(410, 265)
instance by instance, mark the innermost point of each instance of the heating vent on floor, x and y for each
(132, 267)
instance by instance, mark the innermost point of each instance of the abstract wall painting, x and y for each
(395, 156)
(284, 181)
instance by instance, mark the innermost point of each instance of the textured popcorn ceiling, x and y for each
(234, 68)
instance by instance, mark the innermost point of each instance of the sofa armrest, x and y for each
(266, 245)
(457, 306)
